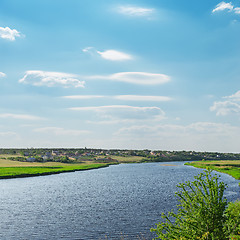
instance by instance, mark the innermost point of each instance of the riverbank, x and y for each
(19, 169)
(30, 171)
(231, 168)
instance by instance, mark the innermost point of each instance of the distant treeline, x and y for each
(192, 156)
(67, 154)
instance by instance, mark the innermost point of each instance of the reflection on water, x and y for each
(125, 199)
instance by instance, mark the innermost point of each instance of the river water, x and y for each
(122, 200)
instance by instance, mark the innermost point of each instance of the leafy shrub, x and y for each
(232, 226)
(201, 212)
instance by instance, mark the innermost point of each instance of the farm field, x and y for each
(10, 163)
(225, 166)
(128, 159)
(13, 169)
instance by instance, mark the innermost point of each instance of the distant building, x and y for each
(55, 153)
(45, 158)
(31, 159)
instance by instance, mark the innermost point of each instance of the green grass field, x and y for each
(28, 171)
(13, 169)
(229, 167)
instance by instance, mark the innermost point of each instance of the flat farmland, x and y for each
(14, 169)
(231, 167)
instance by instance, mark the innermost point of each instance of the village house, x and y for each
(31, 159)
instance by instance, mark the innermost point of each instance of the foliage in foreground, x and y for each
(232, 226)
(201, 213)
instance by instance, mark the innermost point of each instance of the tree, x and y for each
(200, 213)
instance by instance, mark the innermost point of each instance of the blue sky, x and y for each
(156, 74)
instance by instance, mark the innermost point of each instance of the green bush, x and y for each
(232, 226)
(201, 213)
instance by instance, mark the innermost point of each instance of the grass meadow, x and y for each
(225, 166)
(13, 169)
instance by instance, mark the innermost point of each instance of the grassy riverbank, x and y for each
(229, 167)
(13, 171)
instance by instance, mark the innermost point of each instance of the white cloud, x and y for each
(151, 130)
(19, 116)
(83, 96)
(114, 112)
(199, 136)
(223, 6)
(2, 74)
(237, 10)
(171, 130)
(211, 128)
(225, 108)
(142, 78)
(135, 11)
(51, 79)
(10, 34)
(87, 49)
(111, 54)
(60, 131)
(180, 132)
(229, 106)
(114, 55)
(143, 98)
(234, 97)
(123, 97)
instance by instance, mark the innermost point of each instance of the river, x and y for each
(125, 199)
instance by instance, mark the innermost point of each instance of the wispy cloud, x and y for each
(198, 136)
(114, 55)
(143, 98)
(20, 116)
(123, 97)
(88, 49)
(83, 96)
(2, 75)
(222, 6)
(60, 131)
(111, 54)
(8, 134)
(142, 78)
(9, 34)
(175, 130)
(225, 108)
(237, 10)
(51, 79)
(124, 112)
(135, 11)
(235, 97)
(58, 79)
(228, 106)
